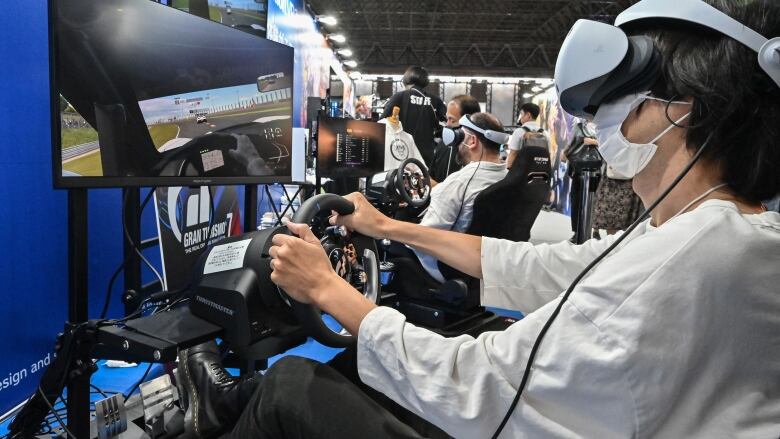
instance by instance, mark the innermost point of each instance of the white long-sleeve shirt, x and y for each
(452, 203)
(676, 334)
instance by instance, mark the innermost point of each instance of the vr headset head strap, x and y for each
(494, 136)
(599, 62)
(703, 14)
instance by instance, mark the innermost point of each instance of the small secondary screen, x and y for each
(350, 148)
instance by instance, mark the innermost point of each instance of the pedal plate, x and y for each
(157, 396)
(110, 417)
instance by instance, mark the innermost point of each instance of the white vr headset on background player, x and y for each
(598, 62)
(453, 136)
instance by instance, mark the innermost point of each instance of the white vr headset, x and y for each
(598, 62)
(454, 136)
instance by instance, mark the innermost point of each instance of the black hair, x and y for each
(486, 121)
(468, 104)
(734, 100)
(416, 75)
(530, 108)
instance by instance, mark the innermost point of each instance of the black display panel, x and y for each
(384, 88)
(350, 148)
(147, 95)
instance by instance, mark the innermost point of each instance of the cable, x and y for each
(585, 271)
(138, 384)
(121, 266)
(449, 162)
(140, 309)
(173, 303)
(134, 245)
(465, 189)
(57, 415)
(98, 390)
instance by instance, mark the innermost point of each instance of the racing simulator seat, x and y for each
(505, 210)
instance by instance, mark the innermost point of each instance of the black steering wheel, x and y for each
(353, 256)
(413, 182)
(218, 154)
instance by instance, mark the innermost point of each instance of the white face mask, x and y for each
(626, 158)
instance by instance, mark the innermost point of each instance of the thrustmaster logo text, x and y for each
(218, 307)
(190, 220)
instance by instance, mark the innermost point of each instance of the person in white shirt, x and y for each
(674, 334)
(529, 112)
(452, 201)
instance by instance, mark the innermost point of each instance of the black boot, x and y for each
(211, 397)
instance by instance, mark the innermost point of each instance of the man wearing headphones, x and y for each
(445, 157)
(420, 113)
(668, 330)
(452, 200)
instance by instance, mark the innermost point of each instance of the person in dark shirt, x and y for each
(420, 113)
(445, 157)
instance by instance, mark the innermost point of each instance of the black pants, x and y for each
(302, 398)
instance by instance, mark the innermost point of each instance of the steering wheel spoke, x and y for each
(353, 257)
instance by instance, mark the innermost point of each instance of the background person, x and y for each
(529, 112)
(452, 201)
(616, 205)
(420, 113)
(445, 157)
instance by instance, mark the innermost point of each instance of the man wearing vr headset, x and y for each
(673, 335)
(452, 201)
(445, 157)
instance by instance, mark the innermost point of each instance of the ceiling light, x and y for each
(339, 38)
(350, 63)
(345, 52)
(536, 89)
(527, 95)
(327, 19)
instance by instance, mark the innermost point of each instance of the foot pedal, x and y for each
(157, 396)
(110, 417)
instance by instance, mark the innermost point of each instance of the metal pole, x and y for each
(585, 217)
(78, 389)
(132, 272)
(250, 207)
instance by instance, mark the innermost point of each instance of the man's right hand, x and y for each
(458, 250)
(365, 219)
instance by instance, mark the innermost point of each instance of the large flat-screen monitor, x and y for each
(147, 95)
(349, 148)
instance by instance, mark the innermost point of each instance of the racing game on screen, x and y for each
(150, 91)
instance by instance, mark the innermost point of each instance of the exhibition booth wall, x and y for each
(33, 270)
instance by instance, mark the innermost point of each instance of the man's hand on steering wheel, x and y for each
(299, 263)
(366, 219)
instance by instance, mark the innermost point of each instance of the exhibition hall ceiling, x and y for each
(460, 37)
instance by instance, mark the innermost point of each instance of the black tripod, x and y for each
(585, 172)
